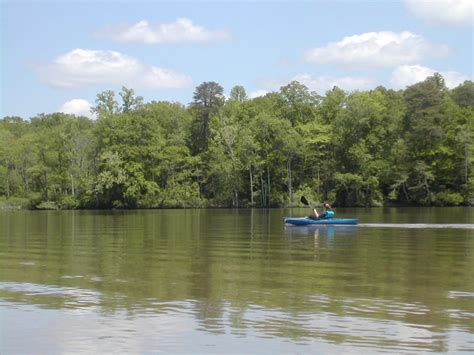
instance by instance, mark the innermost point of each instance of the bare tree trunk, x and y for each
(288, 165)
(405, 192)
(427, 189)
(8, 186)
(466, 164)
(72, 186)
(268, 180)
(45, 189)
(251, 185)
(318, 182)
(25, 180)
(199, 188)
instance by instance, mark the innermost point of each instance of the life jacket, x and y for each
(330, 214)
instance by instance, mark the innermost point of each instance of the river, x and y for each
(236, 281)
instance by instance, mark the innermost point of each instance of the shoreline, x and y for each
(9, 207)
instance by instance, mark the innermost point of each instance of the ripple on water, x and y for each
(28, 263)
(419, 225)
(48, 295)
(460, 294)
(241, 286)
(165, 322)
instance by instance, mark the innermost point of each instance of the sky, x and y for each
(56, 56)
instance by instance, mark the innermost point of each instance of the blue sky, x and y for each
(56, 56)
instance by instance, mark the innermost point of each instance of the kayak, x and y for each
(304, 221)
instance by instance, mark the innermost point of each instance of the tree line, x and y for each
(365, 148)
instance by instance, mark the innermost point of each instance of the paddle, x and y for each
(324, 214)
(305, 202)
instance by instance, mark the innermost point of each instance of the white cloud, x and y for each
(78, 107)
(406, 75)
(443, 12)
(322, 84)
(182, 30)
(258, 93)
(319, 84)
(377, 49)
(84, 67)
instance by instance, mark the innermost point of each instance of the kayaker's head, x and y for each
(327, 205)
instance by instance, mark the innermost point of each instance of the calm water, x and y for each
(222, 281)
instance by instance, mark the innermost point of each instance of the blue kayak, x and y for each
(304, 221)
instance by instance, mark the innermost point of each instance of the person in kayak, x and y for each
(327, 213)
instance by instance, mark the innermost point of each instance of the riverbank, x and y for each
(21, 203)
(14, 203)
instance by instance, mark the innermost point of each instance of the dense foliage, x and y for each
(354, 149)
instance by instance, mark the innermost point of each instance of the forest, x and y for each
(365, 148)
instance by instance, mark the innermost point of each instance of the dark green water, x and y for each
(225, 281)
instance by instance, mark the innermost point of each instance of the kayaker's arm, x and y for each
(315, 213)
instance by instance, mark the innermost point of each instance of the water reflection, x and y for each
(322, 236)
(329, 231)
(154, 325)
(418, 225)
(210, 281)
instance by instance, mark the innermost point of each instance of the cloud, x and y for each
(377, 49)
(78, 107)
(443, 12)
(258, 93)
(319, 84)
(182, 30)
(322, 84)
(406, 75)
(84, 67)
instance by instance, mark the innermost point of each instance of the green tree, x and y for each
(119, 183)
(413, 146)
(297, 103)
(318, 159)
(463, 94)
(237, 93)
(208, 98)
(130, 102)
(423, 135)
(105, 104)
(332, 104)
